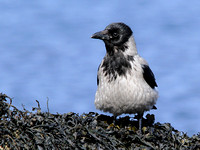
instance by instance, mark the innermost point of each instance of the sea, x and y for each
(46, 54)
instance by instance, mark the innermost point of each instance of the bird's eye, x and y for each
(115, 34)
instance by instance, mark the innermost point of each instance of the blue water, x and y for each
(46, 53)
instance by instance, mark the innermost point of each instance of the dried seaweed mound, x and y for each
(38, 130)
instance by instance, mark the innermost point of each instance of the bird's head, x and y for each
(115, 34)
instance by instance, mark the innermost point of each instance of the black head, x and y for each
(115, 34)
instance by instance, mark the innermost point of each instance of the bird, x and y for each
(125, 82)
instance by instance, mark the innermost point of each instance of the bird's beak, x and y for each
(102, 35)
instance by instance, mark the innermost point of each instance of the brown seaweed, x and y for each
(22, 129)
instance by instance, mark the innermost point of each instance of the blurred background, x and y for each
(46, 53)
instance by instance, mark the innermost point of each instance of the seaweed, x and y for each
(23, 129)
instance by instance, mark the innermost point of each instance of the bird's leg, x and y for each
(115, 119)
(140, 115)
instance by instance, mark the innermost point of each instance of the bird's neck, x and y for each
(131, 50)
(127, 49)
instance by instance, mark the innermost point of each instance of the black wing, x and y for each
(149, 76)
(97, 80)
(98, 76)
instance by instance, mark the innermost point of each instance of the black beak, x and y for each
(102, 35)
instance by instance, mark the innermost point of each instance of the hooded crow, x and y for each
(126, 84)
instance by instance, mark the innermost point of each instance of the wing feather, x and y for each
(149, 76)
